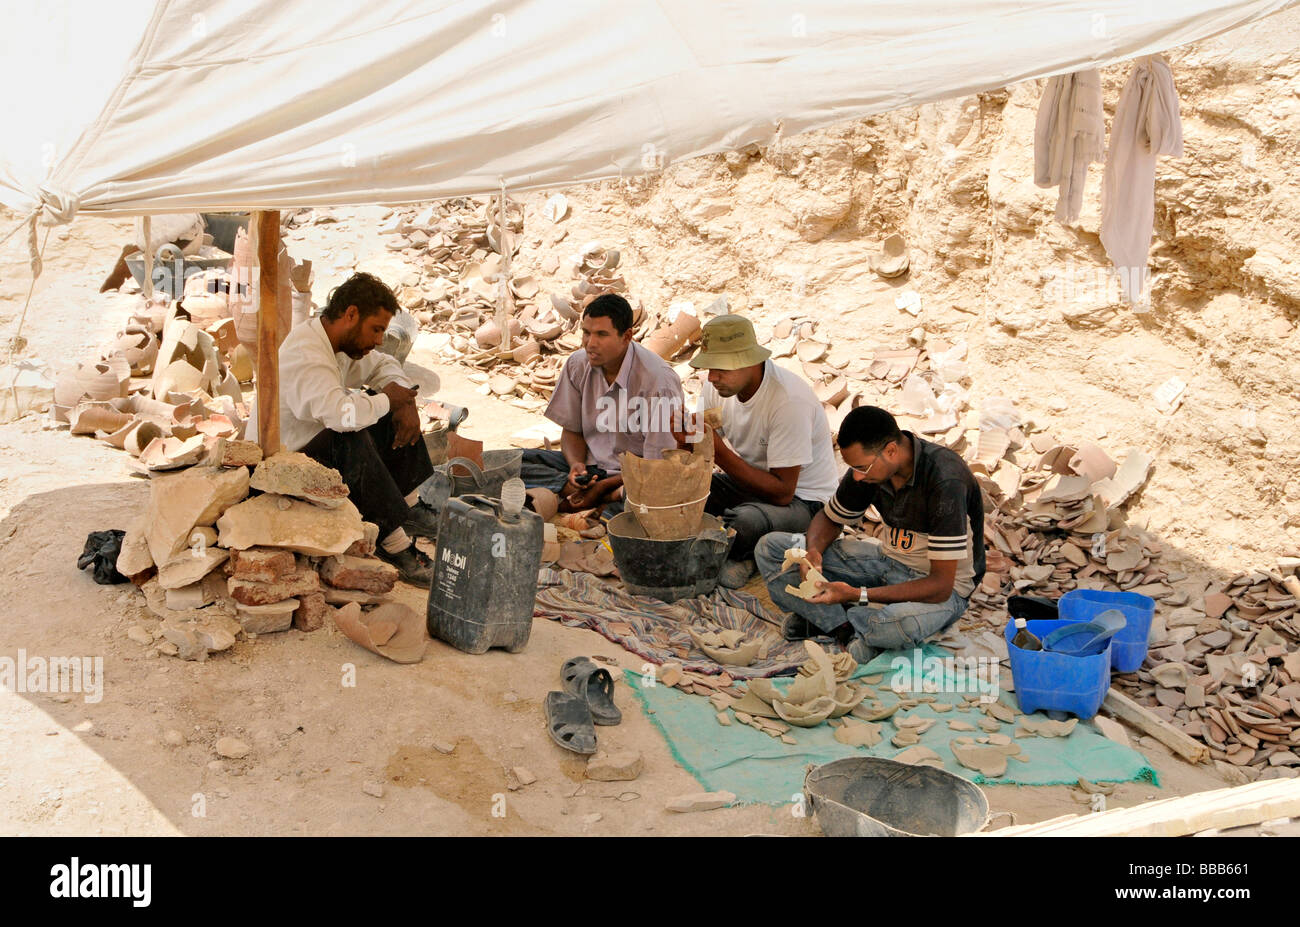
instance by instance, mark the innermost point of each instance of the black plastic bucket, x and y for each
(668, 570)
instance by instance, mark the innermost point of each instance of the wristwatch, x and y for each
(863, 598)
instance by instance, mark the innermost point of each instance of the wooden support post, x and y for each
(503, 281)
(268, 329)
(146, 285)
(1130, 712)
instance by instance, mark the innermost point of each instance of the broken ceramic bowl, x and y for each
(808, 714)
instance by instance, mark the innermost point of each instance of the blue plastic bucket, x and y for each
(1047, 681)
(1128, 649)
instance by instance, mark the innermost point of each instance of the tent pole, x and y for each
(503, 294)
(146, 285)
(268, 325)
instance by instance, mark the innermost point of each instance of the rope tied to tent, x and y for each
(54, 207)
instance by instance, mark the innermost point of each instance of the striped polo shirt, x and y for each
(937, 515)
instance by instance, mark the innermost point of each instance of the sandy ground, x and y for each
(74, 767)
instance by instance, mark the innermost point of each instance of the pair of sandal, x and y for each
(587, 700)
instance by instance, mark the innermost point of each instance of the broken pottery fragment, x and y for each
(919, 756)
(393, 630)
(807, 714)
(859, 733)
(1045, 727)
(874, 710)
(987, 760)
(905, 737)
(892, 261)
(847, 698)
(740, 653)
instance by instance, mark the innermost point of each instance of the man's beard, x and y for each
(350, 346)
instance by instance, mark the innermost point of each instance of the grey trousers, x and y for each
(751, 517)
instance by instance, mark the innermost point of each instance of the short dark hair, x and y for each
(365, 291)
(869, 427)
(613, 307)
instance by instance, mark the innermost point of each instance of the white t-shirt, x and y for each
(782, 425)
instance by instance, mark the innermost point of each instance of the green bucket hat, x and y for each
(729, 344)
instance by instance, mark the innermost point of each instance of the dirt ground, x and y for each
(110, 767)
(786, 229)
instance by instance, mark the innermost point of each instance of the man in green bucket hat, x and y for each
(774, 449)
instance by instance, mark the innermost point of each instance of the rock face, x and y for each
(179, 502)
(293, 474)
(278, 521)
(364, 575)
(252, 592)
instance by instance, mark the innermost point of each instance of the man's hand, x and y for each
(814, 557)
(597, 493)
(406, 419)
(836, 594)
(571, 485)
(692, 427)
(407, 426)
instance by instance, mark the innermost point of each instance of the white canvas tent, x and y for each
(147, 106)
(161, 106)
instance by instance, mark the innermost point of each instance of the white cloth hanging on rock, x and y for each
(1070, 135)
(1146, 125)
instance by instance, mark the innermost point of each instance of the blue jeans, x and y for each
(897, 626)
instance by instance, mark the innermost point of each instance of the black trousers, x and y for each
(751, 516)
(378, 475)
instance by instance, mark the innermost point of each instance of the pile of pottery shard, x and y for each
(223, 554)
(825, 692)
(460, 247)
(168, 388)
(1055, 520)
(1224, 668)
(163, 390)
(1222, 664)
(466, 272)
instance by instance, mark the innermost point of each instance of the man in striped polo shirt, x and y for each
(892, 591)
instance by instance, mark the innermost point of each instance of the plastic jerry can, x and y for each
(485, 574)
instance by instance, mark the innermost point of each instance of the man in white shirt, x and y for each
(777, 461)
(352, 408)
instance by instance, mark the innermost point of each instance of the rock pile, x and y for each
(287, 556)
